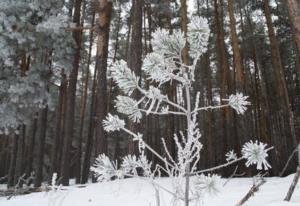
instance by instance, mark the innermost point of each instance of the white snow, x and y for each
(136, 192)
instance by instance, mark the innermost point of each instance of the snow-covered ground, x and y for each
(135, 192)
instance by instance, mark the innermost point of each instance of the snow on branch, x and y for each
(198, 36)
(128, 106)
(238, 102)
(104, 169)
(124, 77)
(256, 153)
(170, 46)
(113, 123)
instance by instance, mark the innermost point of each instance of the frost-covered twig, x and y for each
(218, 167)
(295, 180)
(210, 108)
(225, 164)
(165, 99)
(163, 113)
(293, 185)
(250, 193)
(231, 176)
(148, 147)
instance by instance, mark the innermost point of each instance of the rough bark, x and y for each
(83, 103)
(41, 146)
(103, 24)
(239, 68)
(279, 74)
(294, 15)
(134, 60)
(71, 98)
(13, 158)
(261, 95)
(184, 29)
(31, 147)
(90, 135)
(20, 155)
(223, 69)
(55, 151)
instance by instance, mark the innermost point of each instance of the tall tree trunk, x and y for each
(283, 97)
(31, 147)
(71, 98)
(112, 85)
(105, 10)
(20, 155)
(239, 68)
(294, 15)
(261, 96)
(13, 159)
(184, 29)
(171, 89)
(41, 146)
(56, 148)
(129, 33)
(19, 164)
(64, 88)
(134, 60)
(224, 71)
(4, 155)
(209, 101)
(208, 114)
(90, 135)
(83, 105)
(240, 80)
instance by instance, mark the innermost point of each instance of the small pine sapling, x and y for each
(164, 66)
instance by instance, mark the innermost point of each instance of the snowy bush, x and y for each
(161, 67)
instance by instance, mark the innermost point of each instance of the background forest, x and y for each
(55, 86)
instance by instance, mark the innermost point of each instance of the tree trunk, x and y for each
(20, 155)
(262, 103)
(224, 72)
(31, 147)
(64, 88)
(90, 135)
(56, 148)
(83, 105)
(239, 68)
(105, 10)
(283, 97)
(209, 99)
(13, 158)
(184, 29)
(41, 146)
(71, 98)
(294, 15)
(134, 60)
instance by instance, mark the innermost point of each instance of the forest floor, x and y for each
(135, 192)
